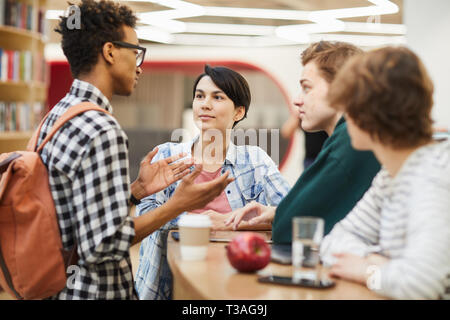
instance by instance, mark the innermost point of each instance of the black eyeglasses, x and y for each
(141, 50)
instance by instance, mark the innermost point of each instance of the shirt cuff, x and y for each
(134, 201)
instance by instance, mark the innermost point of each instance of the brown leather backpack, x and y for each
(33, 262)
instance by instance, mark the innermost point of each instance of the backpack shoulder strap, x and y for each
(66, 116)
(31, 146)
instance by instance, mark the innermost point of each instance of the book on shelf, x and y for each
(21, 14)
(20, 116)
(2, 12)
(41, 26)
(22, 66)
(2, 116)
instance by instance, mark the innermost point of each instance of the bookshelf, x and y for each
(23, 83)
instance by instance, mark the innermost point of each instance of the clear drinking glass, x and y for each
(307, 234)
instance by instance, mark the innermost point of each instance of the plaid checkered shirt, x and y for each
(87, 162)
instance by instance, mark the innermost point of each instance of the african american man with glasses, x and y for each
(87, 160)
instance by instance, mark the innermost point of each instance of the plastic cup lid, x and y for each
(194, 221)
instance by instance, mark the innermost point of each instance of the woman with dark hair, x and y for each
(397, 238)
(221, 98)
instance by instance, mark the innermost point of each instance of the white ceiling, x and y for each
(253, 23)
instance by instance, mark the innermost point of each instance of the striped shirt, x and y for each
(87, 162)
(406, 219)
(256, 179)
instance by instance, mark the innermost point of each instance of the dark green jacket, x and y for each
(330, 187)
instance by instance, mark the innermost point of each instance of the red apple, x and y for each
(248, 252)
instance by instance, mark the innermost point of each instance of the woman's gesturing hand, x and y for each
(254, 212)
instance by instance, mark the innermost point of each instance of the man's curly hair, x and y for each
(101, 22)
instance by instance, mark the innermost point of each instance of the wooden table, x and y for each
(215, 279)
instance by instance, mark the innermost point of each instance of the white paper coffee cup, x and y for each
(194, 236)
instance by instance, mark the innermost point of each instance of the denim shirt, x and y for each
(256, 179)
